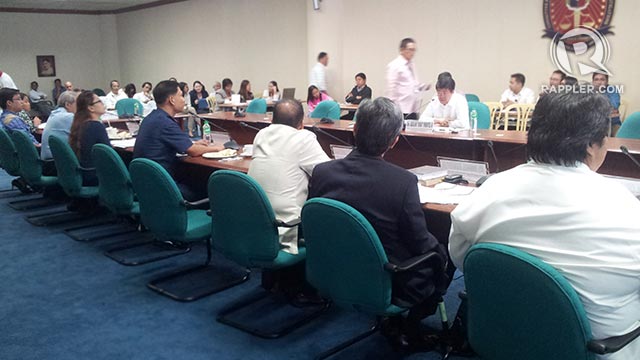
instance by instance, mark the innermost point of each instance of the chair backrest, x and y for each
(345, 259)
(8, 154)
(115, 188)
(257, 106)
(129, 107)
(521, 112)
(162, 208)
(522, 308)
(483, 112)
(30, 165)
(211, 101)
(99, 92)
(630, 128)
(67, 166)
(622, 109)
(472, 97)
(244, 224)
(328, 108)
(495, 109)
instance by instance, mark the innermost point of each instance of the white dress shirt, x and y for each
(456, 111)
(403, 86)
(318, 76)
(283, 160)
(37, 96)
(581, 223)
(111, 99)
(7, 82)
(525, 96)
(142, 97)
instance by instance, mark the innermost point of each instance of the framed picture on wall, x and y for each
(46, 65)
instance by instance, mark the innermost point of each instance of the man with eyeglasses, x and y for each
(11, 103)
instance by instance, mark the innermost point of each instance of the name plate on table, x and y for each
(418, 126)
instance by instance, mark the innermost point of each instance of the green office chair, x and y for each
(30, 169)
(245, 230)
(484, 115)
(347, 264)
(170, 218)
(630, 128)
(472, 97)
(11, 164)
(129, 107)
(257, 106)
(99, 92)
(326, 109)
(115, 191)
(521, 308)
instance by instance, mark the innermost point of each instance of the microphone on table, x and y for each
(626, 152)
(245, 125)
(231, 144)
(493, 152)
(317, 129)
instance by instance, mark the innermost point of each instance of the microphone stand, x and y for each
(628, 154)
(231, 144)
(317, 129)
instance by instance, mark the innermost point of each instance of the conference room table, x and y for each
(414, 149)
(418, 148)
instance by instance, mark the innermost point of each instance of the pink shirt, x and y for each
(403, 86)
(314, 102)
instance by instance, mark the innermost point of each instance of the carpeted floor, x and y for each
(62, 299)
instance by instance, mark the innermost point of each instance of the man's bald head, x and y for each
(288, 112)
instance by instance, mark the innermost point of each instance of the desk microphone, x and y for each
(231, 144)
(317, 129)
(493, 152)
(626, 152)
(244, 124)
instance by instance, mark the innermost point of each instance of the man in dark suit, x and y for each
(387, 196)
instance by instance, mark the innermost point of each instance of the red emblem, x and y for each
(561, 16)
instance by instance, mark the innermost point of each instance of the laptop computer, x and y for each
(288, 93)
(339, 151)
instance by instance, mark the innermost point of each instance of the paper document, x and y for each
(123, 143)
(446, 194)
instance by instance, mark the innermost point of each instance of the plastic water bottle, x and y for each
(206, 132)
(474, 119)
(136, 110)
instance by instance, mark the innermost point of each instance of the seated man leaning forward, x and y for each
(284, 155)
(387, 196)
(160, 137)
(557, 208)
(450, 109)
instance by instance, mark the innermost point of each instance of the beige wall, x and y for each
(480, 42)
(208, 40)
(84, 46)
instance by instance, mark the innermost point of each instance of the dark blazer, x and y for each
(365, 93)
(387, 196)
(194, 97)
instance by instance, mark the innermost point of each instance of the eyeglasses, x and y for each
(96, 102)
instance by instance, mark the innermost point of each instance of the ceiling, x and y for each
(99, 6)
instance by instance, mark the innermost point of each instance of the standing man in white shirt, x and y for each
(318, 75)
(450, 109)
(403, 86)
(6, 81)
(284, 155)
(558, 209)
(517, 93)
(114, 95)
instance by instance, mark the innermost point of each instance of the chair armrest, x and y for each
(200, 204)
(86, 169)
(414, 261)
(612, 344)
(290, 224)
